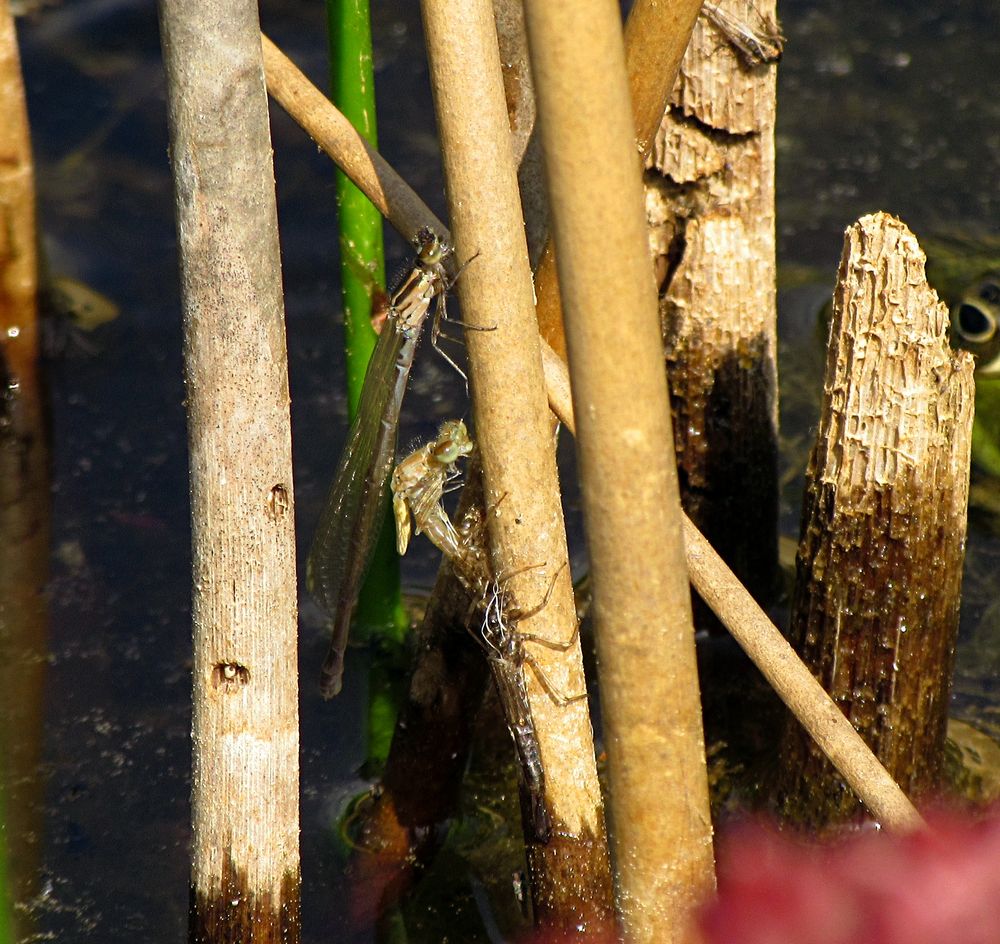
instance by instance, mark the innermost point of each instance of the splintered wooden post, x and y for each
(710, 204)
(245, 776)
(875, 610)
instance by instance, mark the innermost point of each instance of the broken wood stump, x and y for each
(879, 564)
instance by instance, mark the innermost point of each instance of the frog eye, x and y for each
(974, 327)
(973, 323)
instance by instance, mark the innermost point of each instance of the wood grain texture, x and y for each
(710, 204)
(875, 611)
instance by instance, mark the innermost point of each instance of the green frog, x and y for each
(965, 271)
(975, 326)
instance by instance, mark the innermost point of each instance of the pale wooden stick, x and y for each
(516, 446)
(651, 707)
(372, 174)
(245, 778)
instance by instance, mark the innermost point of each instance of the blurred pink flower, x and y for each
(939, 886)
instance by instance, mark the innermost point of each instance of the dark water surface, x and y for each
(891, 106)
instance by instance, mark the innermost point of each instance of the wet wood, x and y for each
(25, 490)
(875, 611)
(710, 203)
(245, 776)
(238, 911)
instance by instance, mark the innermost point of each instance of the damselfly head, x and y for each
(431, 248)
(452, 443)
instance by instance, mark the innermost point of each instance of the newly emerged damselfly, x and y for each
(419, 483)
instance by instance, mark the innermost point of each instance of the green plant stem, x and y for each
(380, 612)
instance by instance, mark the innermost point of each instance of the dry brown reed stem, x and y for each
(879, 566)
(24, 493)
(18, 240)
(656, 35)
(571, 875)
(370, 172)
(764, 643)
(650, 700)
(245, 777)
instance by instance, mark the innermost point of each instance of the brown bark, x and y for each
(24, 497)
(649, 687)
(245, 859)
(710, 201)
(571, 877)
(875, 611)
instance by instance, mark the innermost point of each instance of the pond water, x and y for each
(891, 106)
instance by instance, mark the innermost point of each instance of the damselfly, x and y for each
(756, 43)
(497, 633)
(345, 537)
(419, 483)
(417, 486)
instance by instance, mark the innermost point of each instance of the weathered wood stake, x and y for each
(875, 610)
(710, 203)
(245, 778)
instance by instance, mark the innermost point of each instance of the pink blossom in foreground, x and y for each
(940, 886)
